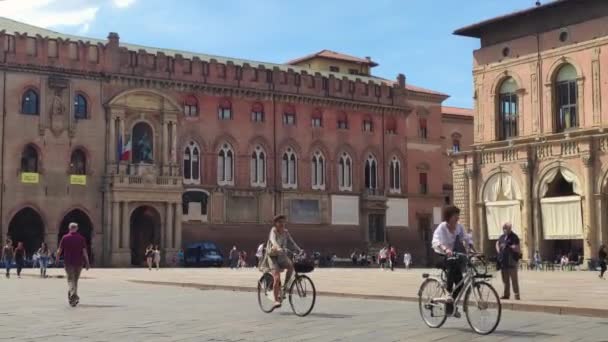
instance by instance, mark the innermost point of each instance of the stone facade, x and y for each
(154, 146)
(539, 129)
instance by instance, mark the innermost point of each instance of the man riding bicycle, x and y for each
(276, 259)
(450, 237)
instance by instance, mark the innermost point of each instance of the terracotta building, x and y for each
(540, 153)
(144, 145)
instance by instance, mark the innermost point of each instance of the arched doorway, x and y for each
(27, 227)
(85, 227)
(145, 230)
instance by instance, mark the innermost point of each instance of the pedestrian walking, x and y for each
(407, 260)
(149, 256)
(234, 257)
(157, 257)
(73, 246)
(392, 256)
(601, 256)
(35, 260)
(19, 258)
(43, 257)
(242, 259)
(537, 261)
(7, 256)
(509, 254)
(382, 256)
(259, 254)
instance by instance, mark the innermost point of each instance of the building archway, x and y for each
(27, 227)
(145, 230)
(85, 227)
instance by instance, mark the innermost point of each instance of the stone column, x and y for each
(169, 226)
(526, 219)
(115, 226)
(126, 227)
(482, 233)
(113, 148)
(165, 143)
(174, 143)
(538, 235)
(471, 175)
(589, 227)
(178, 225)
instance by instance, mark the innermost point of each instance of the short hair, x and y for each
(279, 217)
(450, 211)
(73, 225)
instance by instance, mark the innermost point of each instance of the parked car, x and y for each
(203, 254)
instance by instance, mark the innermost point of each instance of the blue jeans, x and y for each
(44, 263)
(7, 264)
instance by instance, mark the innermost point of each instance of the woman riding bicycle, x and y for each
(450, 237)
(276, 258)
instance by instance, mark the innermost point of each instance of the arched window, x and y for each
(190, 106)
(29, 159)
(289, 169)
(30, 103)
(78, 163)
(342, 121)
(225, 166)
(422, 128)
(194, 205)
(368, 125)
(394, 175)
(345, 173)
(192, 164)
(455, 145)
(258, 167)
(318, 171)
(317, 118)
(225, 110)
(143, 143)
(289, 116)
(80, 107)
(371, 173)
(257, 112)
(508, 109)
(566, 98)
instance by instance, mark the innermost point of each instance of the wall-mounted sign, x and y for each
(30, 177)
(78, 179)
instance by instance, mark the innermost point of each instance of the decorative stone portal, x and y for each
(144, 231)
(27, 227)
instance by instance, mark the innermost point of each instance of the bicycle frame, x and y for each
(467, 281)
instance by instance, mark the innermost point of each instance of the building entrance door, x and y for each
(376, 228)
(145, 231)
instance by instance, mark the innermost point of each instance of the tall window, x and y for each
(318, 171)
(29, 159)
(566, 97)
(258, 167)
(30, 103)
(455, 145)
(395, 175)
(371, 173)
(257, 112)
(80, 107)
(143, 143)
(317, 118)
(225, 110)
(422, 129)
(225, 165)
(342, 121)
(508, 110)
(78, 163)
(289, 119)
(423, 183)
(192, 164)
(368, 125)
(289, 169)
(345, 173)
(191, 106)
(391, 126)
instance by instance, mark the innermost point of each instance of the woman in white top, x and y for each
(448, 237)
(157, 257)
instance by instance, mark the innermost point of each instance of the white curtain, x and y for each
(562, 219)
(568, 175)
(500, 212)
(501, 187)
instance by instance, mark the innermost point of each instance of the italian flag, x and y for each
(126, 151)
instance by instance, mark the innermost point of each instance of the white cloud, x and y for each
(49, 13)
(123, 3)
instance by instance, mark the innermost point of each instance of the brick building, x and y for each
(145, 145)
(540, 153)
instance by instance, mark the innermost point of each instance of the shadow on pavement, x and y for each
(99, 306)
(513, 333)
(320, 315)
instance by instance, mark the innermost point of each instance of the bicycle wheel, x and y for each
(265, 293)
(433, 314)
(483, 308)
(302, 295)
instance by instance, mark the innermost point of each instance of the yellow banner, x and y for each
(29, 177)
(78, 179)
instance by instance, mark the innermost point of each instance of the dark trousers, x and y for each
(8, 262)
(509, 275)
(19, 263)
(602, 268)
(453, 270)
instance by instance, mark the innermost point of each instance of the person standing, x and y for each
(234, 257)
(149, 256)
(382, 255)
(392, 256)
(537, 261)
(407, 260)
(259, 254)
(74, 249)
(601, 256)
(509, 254)
(19, 258)
(43, 256)
(7, 256)
(157, 257)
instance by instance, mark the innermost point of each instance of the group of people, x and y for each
(17, 255)
(237, 259)
(153, 257)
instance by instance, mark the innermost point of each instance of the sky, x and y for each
(413, 37)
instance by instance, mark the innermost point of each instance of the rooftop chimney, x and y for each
(401, 80)
(113, 38)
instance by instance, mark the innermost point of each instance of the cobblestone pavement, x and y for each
(34, 309)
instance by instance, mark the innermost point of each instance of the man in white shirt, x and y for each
(449, 237)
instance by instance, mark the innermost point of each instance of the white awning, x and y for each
(500, 187)
(562, 218)
(568, 175)
(500, 212)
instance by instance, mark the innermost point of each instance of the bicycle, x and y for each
(432, 294)
(300, 288)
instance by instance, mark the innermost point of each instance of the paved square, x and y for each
(35, 309)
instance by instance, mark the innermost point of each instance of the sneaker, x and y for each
(456, 313)
(517, 297)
